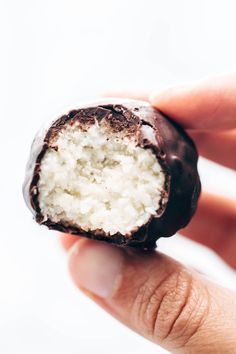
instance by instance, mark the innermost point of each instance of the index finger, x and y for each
(208, 105)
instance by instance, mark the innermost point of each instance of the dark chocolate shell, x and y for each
(173, 148)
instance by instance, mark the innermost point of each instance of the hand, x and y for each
(151, 293)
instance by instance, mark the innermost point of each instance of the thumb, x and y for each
(157, 297)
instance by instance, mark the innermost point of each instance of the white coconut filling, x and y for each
(99, 180)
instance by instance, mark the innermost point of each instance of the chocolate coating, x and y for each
(174, 150)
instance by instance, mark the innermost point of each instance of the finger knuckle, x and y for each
(171, 311)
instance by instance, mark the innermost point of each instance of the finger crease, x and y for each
(186, 297)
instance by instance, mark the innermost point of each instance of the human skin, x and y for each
(151, 293)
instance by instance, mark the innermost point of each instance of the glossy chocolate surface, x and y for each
(173, 148)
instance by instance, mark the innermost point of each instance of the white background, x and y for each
(55, 53)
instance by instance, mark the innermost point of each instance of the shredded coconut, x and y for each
(97, 179)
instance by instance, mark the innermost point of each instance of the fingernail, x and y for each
(96, 266)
